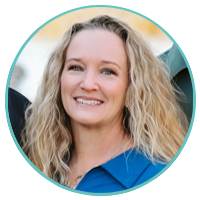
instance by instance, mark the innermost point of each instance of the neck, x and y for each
(96, 145)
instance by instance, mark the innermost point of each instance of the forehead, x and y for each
(97, 44)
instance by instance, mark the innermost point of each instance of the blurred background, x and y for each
(29, 67)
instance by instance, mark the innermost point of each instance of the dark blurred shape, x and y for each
(17, 105)
(181, 77)
(17, 74)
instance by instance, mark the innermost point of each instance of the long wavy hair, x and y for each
(152, 115)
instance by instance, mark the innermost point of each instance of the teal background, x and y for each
(22, 178)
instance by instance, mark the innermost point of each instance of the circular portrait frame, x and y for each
(24, 179)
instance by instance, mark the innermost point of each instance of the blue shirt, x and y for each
(123, 172)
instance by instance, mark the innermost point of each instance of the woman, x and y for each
(105, 117)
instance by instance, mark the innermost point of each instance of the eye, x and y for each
(108, 72)
(76, 68)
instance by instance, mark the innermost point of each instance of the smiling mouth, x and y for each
(89, 102)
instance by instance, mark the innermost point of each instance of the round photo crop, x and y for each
(100, 100)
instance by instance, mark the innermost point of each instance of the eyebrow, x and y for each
(111, 62)
(103, 61)
(76, 59)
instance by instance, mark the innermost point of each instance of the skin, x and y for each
(95, 70)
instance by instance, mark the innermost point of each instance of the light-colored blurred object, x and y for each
(35, 54)
(17, 76)
(57, 27)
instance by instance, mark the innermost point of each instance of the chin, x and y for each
(86, 121)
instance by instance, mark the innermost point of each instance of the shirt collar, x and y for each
(127, 167)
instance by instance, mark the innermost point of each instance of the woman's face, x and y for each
(95, 78)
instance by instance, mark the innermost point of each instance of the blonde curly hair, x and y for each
(152, 115)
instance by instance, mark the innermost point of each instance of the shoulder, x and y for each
(132, 168)
(17, 99)
(148, 169)
(17, 105)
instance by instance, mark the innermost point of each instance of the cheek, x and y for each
(63, 84)
(66, 88)
(117, 91)
(122, 90)
(67, 84)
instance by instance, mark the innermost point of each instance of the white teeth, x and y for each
(91, 102)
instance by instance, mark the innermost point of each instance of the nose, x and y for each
(89, 82)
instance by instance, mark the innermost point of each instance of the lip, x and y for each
(88, 98)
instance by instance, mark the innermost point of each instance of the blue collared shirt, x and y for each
(123, 172)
